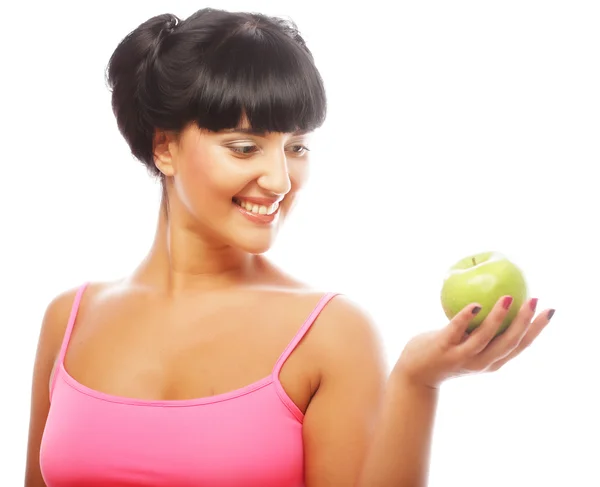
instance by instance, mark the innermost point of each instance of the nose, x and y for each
(275, 176)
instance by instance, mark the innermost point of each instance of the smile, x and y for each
(261, 214)
(257, 209)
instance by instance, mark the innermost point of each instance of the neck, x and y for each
(182, 260)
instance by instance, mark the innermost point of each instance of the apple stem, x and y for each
(473, 259)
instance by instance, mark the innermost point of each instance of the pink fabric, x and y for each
(248, 437)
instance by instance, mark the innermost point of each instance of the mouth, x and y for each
(255, 209)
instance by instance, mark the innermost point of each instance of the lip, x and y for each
(258, 200)
(257, 218)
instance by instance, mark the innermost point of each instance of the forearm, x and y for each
(400, 451)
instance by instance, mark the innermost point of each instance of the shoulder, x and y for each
(342, 322)
(52, 331)
(343, 326)
(56, 315)
(346, 319)
(348, 335)
(58, 311)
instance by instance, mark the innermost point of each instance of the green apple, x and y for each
(483, 278)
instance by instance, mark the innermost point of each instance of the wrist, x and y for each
(404, 379)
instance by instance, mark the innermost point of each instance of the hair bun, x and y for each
(169, 26)
(211, 69)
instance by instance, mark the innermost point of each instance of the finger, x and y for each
(484, 333)
(458, 326)
(504, 344)
(538, 325)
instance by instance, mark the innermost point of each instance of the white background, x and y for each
(454, 127)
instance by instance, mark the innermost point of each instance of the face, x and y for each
(233, 187)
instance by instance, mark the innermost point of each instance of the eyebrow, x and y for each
(261, 133)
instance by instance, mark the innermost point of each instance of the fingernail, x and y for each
(551, 314)
(533, 303)
(476, 310)
(507, 302)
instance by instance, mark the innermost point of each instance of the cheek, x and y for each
(207, 179)
(193, 182)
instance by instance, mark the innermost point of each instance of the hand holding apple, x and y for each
(483, 278)
(431, 358)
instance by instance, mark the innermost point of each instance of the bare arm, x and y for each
(357, 426)
(50, 339)
(343, 448)
(402, 442)
(341, 418)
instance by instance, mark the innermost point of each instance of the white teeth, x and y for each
(258, 209)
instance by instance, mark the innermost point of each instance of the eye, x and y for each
(299, 149)
(244, 150)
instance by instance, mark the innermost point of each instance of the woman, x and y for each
(208, 365)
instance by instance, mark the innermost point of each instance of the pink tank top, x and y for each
(250, 437)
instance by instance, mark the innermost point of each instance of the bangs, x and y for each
(262, 76)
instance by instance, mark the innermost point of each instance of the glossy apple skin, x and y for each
(483, 278)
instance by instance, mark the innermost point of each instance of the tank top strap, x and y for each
(302, 331)
(68, 332)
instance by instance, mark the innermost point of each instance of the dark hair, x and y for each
(212, 69)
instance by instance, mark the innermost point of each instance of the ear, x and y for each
(165, 152)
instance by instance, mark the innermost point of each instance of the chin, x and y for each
(256, 247)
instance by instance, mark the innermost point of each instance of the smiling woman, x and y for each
(208, 365)
(212, 178)
(226, 93)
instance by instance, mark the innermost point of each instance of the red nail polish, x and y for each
(533, 303)
(507, 302)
